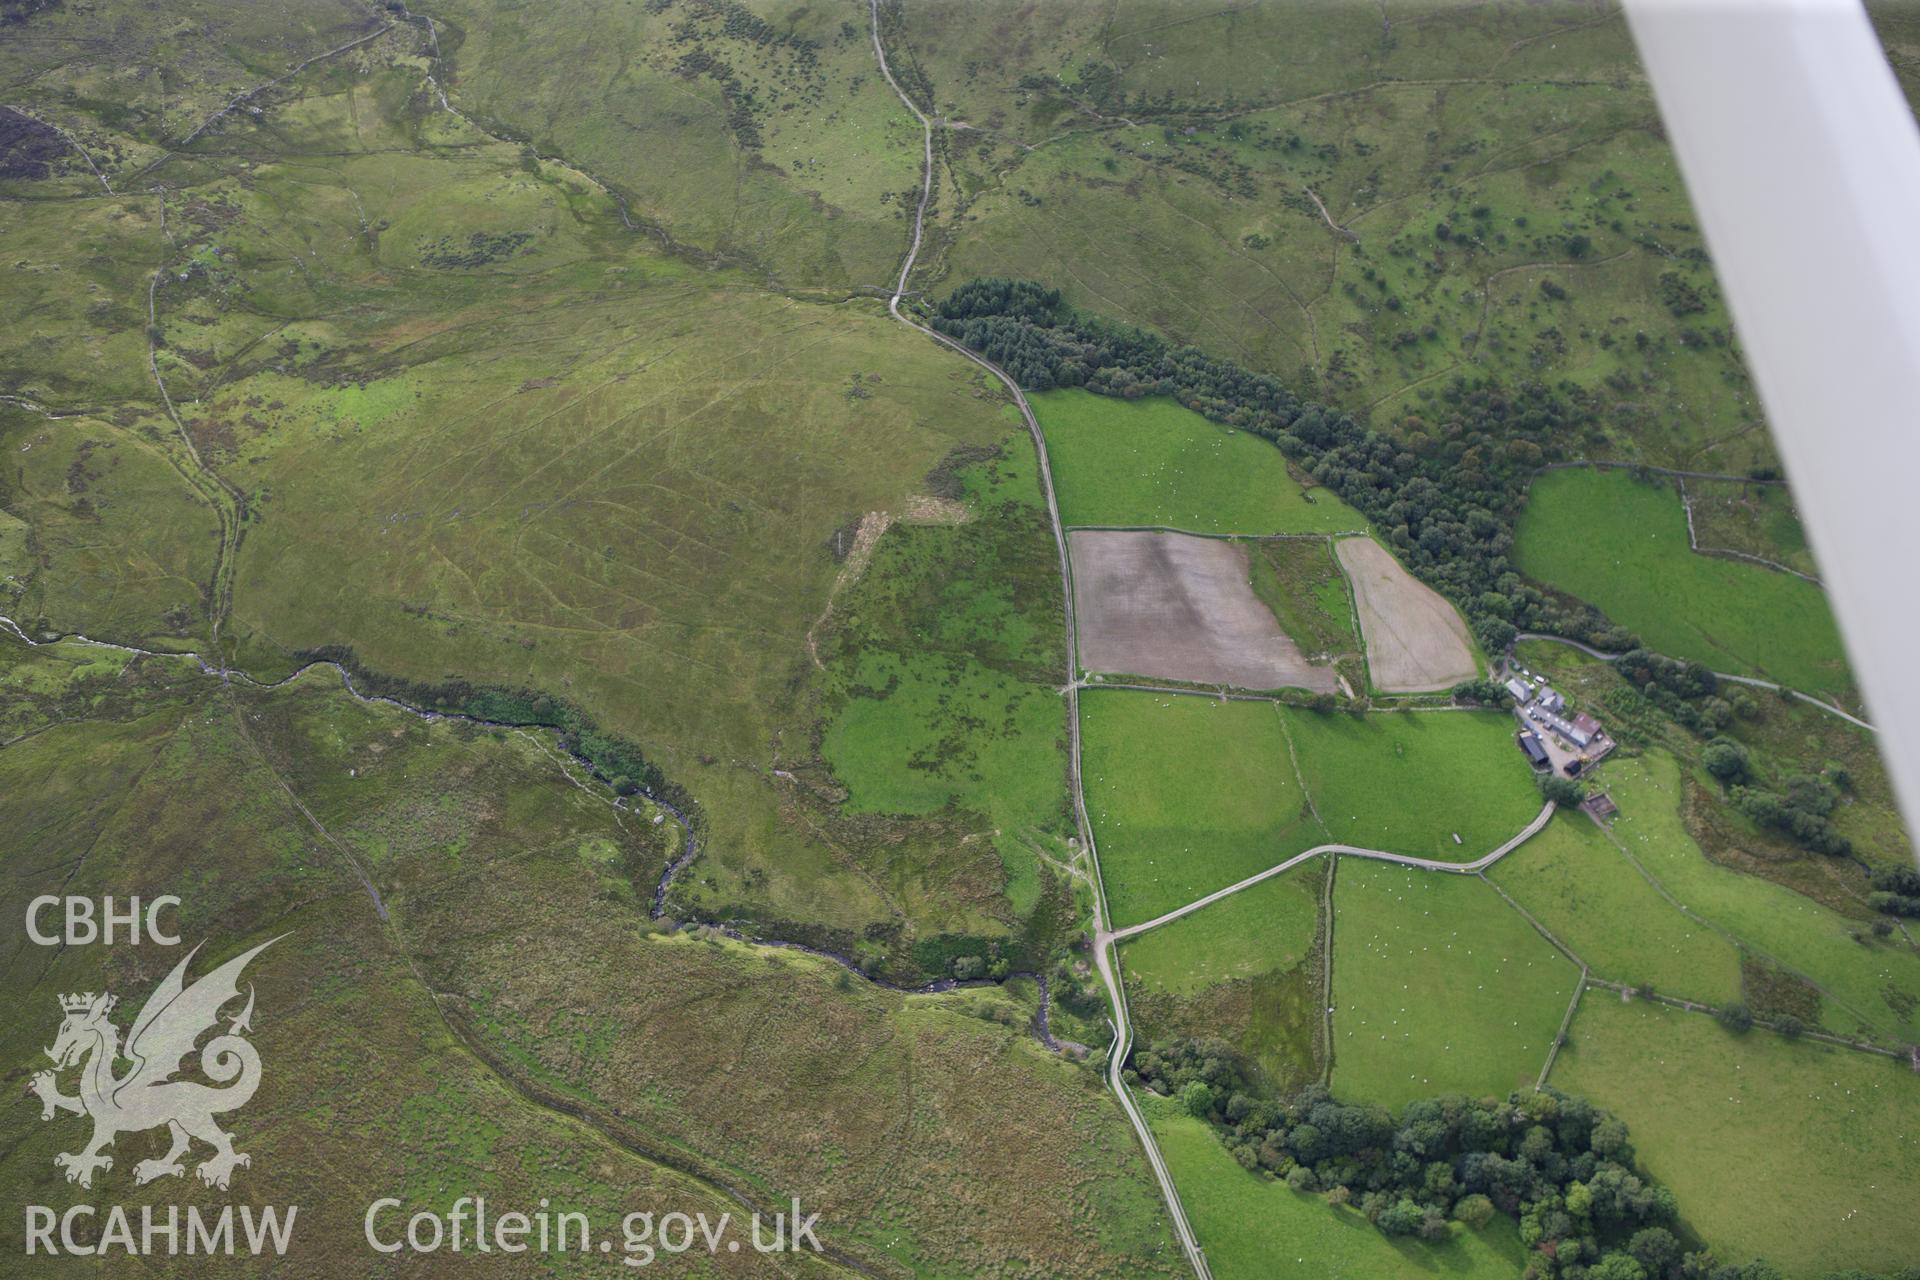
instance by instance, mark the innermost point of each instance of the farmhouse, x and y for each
(1522, 691)
(1551, 700)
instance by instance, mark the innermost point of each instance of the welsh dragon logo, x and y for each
(148, 1095)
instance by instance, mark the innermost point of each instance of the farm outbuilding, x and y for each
(1535, 749)
(1522, 691)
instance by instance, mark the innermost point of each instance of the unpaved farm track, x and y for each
(1103, 950)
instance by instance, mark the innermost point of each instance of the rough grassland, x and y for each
(1155, 462)
(1796, 1152)
(516, 1026)
(1406, 782)
(1186, 795)
(1255, 1228)
(757, 137)
(1871, 986)
(1757, 519)
(944, 658)
(1622, 544)
(1576, 883)
(98, 530)
(155, 783)
(1438, 987)
(1300, 581)
(484, 431)
(1171, 181)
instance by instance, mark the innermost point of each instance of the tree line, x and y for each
(1562, 1168)
(1444, 492)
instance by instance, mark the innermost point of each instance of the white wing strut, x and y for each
(1803, 161)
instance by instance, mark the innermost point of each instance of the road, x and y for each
(1103, 949)
(1750, 681)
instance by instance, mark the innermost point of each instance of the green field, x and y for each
(1186, 795)
(1573, 880)
(1800, 1153)
(1153, 462)
(1438, 987)
(1621, 543)
(1254, 1228)
(1871, 986)
(1407, 782)
(1245, 969)
(1267, 927)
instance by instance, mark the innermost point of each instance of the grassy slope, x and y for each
(1154, 462)
(1577, 884)
(1622, 544)
(108, 534)
(1255, 1227)
(813, 192)
(1870, 983)
(1800, 1153)
(1438, 987)
(520, 898)
(1187, 795)
(484, 431)
(154, 776)
(1408, 782)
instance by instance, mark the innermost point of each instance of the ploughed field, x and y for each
(1416, 641)
(1182, 608)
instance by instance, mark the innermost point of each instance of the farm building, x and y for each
(1601, 806)
(1522, 691)
(1535, 749)
(1572, 730)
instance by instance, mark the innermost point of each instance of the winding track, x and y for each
(1103, 948)
(1379, 855)
(1751, 681)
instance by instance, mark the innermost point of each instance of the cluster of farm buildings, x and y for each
(1552, 738)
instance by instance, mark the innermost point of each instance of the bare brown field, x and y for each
(1416, 641)
(1182, 608)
